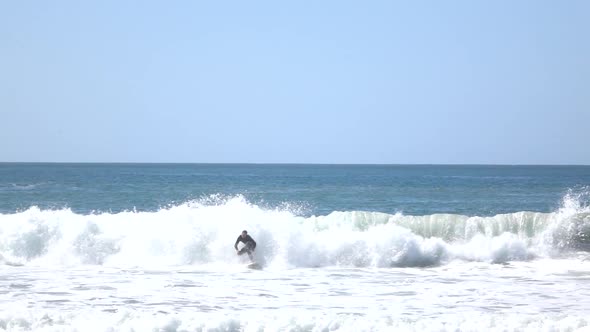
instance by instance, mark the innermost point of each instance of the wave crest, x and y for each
(203, 232)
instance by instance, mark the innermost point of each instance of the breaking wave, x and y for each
(203, 232)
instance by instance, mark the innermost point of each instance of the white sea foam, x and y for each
(128, 320)
(203, 232)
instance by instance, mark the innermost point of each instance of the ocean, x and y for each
(149, 247)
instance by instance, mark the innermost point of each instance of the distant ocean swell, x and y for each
(203, 232)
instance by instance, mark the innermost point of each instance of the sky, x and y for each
(386, 82)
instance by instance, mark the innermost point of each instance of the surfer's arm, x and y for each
(236, 244)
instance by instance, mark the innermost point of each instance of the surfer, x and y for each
(249, 244)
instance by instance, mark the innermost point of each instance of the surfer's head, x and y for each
(244, 233)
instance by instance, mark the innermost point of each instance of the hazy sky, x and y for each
(503, 82)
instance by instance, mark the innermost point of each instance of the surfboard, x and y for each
(254, 266)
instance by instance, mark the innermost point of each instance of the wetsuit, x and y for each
(249, 244)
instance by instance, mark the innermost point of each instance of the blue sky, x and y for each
(500, 82)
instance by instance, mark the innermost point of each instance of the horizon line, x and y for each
(276, 163)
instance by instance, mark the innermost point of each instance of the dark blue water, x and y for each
(316, 189)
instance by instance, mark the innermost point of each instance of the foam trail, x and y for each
(203, 232)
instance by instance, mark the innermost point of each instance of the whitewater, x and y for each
(175, 270)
